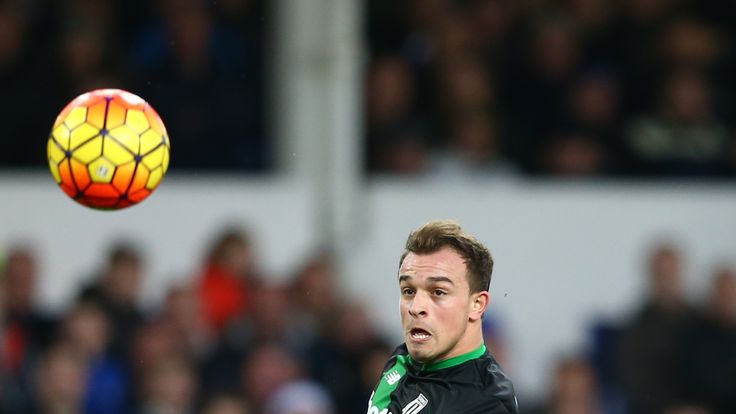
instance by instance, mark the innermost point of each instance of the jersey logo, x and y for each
(392, 377)
(416, 405)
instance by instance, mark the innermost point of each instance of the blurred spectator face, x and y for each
(61, 379)
(572, 155)
(12, 33)
(123, 279)
(82, 52)
(153, 342)
(87, 328)
(687, 98)
(467, 85)
(189, 30)
(556, 50)
(723, 295)
(233, 253)
(267, 368)
(315, 284)
(354, 330)
(492, 19)
(182, 309)
(20, 276)
(688, 43)
(225, 404)
(300, 397)
(404, 151)
(595, 100)
(644, 11)
(271, 310)
(666, 276)
(688, 409)
(92, 11)
(475, 138)
(171, 384)
(424, 14)
(591, 14)
(390, 89)
(453, 36)
(574, 388)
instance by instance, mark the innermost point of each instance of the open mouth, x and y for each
(419, 334)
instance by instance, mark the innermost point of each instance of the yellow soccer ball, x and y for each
(108, 149)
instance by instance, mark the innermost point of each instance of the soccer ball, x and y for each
(108, 149)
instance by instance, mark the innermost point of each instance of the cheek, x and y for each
(455, 313)
(403, 309)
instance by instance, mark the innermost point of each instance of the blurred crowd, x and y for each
(669, 356)
(640, 88)
(230, 340)
(198, 63)
(226, 340)
(630, 88)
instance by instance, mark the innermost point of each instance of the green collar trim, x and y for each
(451, 362)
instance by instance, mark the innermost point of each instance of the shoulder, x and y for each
(400, 351)
(498, 387)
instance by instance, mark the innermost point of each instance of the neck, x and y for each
(456, 360)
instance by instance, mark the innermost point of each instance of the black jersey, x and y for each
(471, 383)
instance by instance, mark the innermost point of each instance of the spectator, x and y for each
(226, 279)
(650, 345)
(573, 154)
(314, 293)
(402, 150)
(169, 386)
(225, 404)
(207, 82)
(574, 389)
(338, 358)
(299, 397)
(60, 381)
(271, 320)
(86, 328)
(25, 330)
(710, 369)
(474, 148)
(25, 110)
(266, 369)
(391, 113)
(183, 316)
(116, 290)
(535, 93)
(685, 137)
(687, 409)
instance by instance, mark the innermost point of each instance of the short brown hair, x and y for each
(437, 234)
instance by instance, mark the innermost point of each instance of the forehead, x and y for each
(444, 262)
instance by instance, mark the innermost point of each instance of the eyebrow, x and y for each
(435, 279)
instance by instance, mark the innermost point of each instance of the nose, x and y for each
(418, 306)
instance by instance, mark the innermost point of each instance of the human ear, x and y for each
(478, 304)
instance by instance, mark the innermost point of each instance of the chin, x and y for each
(420, 355)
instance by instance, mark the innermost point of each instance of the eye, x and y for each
(439, 292)
(407, 291)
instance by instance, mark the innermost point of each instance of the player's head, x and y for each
(444, 275)
(438, 234)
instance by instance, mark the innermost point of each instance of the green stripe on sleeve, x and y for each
(390, 379)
